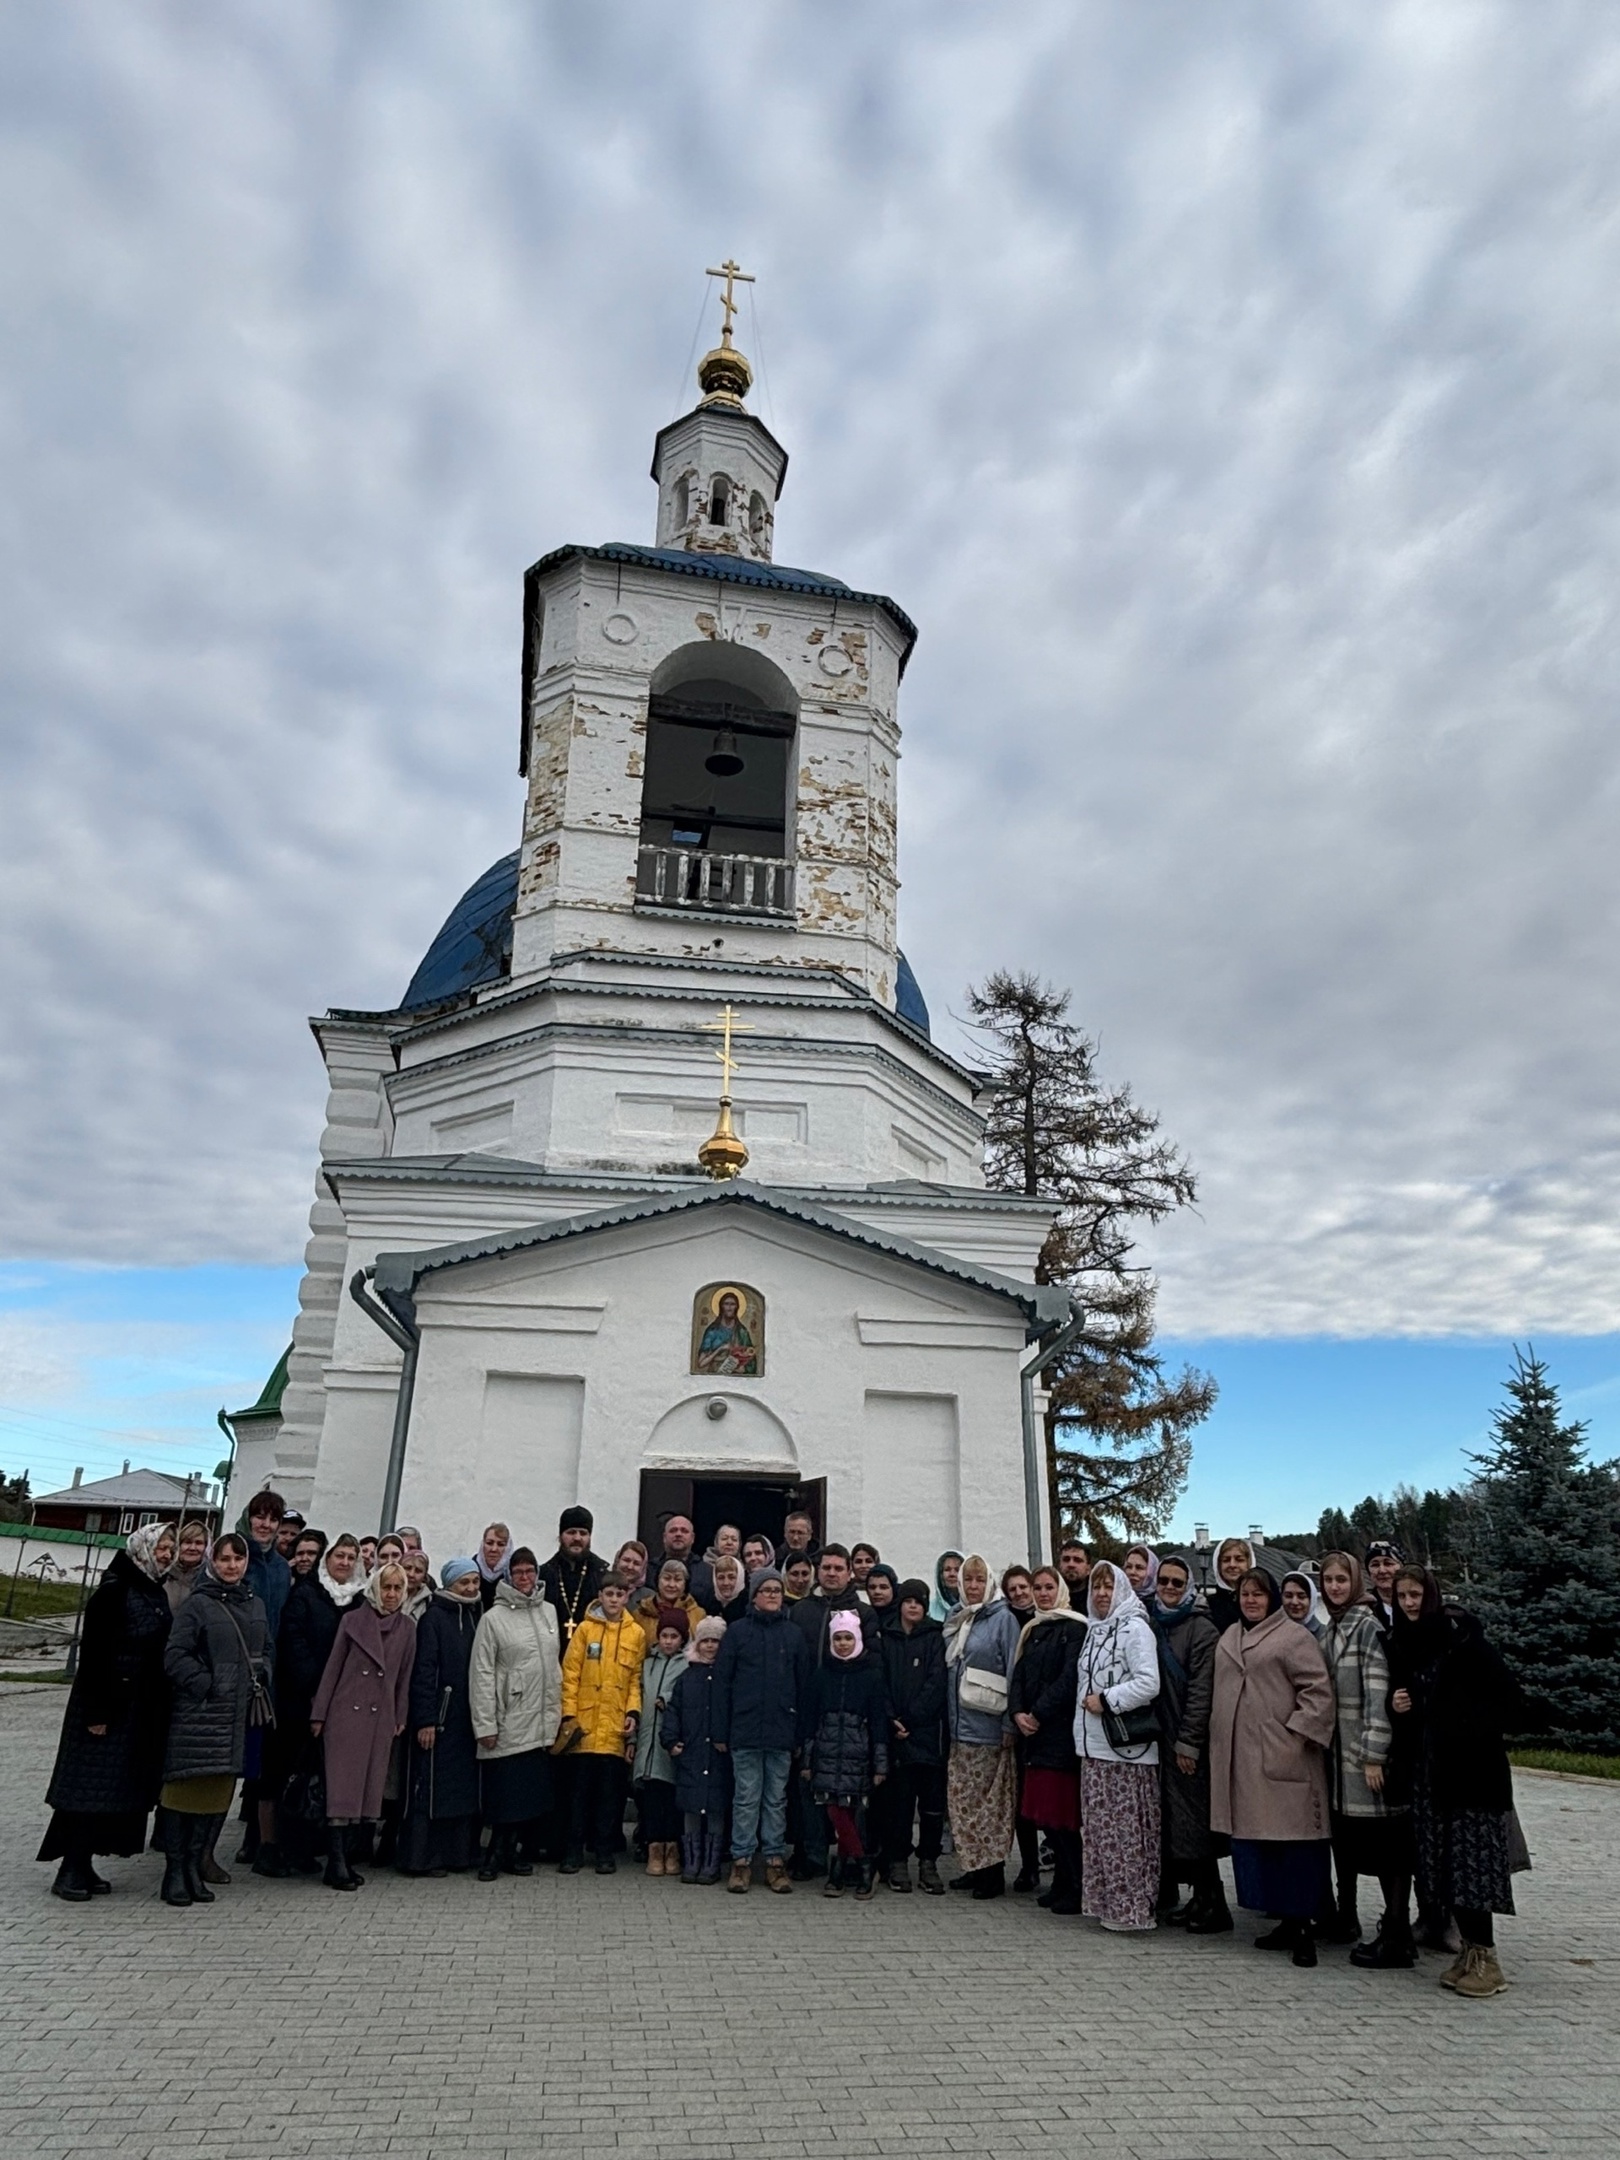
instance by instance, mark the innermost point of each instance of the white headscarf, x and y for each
(341, 1593)
(959, 1621)
(1125, 1604)
(1062, 1610)
(141, 1544)
(1316, 1619)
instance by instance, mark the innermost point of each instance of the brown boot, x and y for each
(742, 1874)
(777, 1879)
(655, 1859)
(1483, 1975)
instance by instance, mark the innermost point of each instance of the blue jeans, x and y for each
(759, 1802)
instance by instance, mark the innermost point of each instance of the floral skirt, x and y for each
(1119, 1821)
(981, 1793)
(1463, 1857)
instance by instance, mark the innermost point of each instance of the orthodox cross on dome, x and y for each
(724, 374)
(734, 275)
(723, 1155)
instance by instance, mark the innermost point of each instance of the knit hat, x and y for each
(758, 1580)
(671, 1616)
(914, 1587)
(453, 1570)
(844, 1622)
(575, 1518)
(709, 1629)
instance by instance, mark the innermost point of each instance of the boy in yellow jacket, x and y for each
(601, 1709)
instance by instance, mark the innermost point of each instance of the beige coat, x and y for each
(1272, 1723)
(514, 1682)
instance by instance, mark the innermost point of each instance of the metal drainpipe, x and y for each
(1035, 1504)
(409, 1340)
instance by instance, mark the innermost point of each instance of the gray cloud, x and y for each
(1227, 392)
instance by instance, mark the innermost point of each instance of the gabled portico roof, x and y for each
(1043, 1305)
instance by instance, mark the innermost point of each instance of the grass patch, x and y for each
(38, 1601)
(1535, 1758)
(40, 1679)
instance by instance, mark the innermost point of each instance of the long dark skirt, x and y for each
(429, 1844)
(517, 1788)
(1285, 1876)
(1372, 1844)
(71, 1831)
(1463, 1857)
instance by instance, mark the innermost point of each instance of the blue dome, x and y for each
(475, 943)
(909, 1001)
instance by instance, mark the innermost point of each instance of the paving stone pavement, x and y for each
(603, 2017)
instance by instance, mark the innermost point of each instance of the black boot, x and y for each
(74, 1879)
(968, 1879)
(1305, 1944)
(1340, 1923)
(270, 1860)
(713, 1854)
(1029, 1857)
(201, 1831)
(834, 1885)
(489, 1865)
(1065, 1894)
(339, 1875)
(691, 1856)
(176, 1888)
(1391, 1950)
(865, 1879)
(515, 1859)
(992, 1883)
(1210, 1914)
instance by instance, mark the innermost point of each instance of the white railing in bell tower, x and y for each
(680, 877)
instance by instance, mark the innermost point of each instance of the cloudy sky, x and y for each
(1229, 394)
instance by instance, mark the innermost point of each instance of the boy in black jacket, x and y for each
(912, 1650)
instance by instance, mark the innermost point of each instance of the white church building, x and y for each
(529, 1282)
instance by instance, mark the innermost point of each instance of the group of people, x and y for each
(805, 1711)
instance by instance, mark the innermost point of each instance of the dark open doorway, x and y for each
(752, 1503)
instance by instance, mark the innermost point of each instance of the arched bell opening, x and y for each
(716, 787)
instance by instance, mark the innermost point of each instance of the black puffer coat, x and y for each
(702, 1773)
(913, 1669)
(444, 1778)
(1043, 1686)
(1464, 1700)
(847, 1720)
(212, 1680)
(762, 1678)
(119, 1684)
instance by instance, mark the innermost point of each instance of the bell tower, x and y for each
(719, 471)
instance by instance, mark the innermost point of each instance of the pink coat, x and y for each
(1272, 1723)
(363, 1696)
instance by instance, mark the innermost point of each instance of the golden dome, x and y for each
(723, 1154)
(724, 375)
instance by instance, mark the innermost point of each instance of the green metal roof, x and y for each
(269, 1402)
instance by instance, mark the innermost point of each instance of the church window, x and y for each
(758, 515)
(719, 499)
(681, 502)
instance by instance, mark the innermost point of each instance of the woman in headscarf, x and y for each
(439, 1835)
(1141, 1565)
(1191, 1851)
(1019, 1592)
(309, 1625)
(981, 1642)
(185, 1571)
(218, 1664)
(360, 1710)
(1452, 1701)
(1041, 1697)
(419, 1591)
(947, 1586)
(730, 1587)
(1117, 1675)
(515, 1681)
(1234, 1556)
(109, 1756)
(1302, 1602)
(727, 1539)
(494, 1561)
(1272, 1725)
(1369, 1836)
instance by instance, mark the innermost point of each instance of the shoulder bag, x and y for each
(983, 1691)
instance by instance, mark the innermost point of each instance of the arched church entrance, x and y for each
(721, 1457)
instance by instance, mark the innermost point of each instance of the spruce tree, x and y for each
(1543, 1547)
(1118, 1427)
